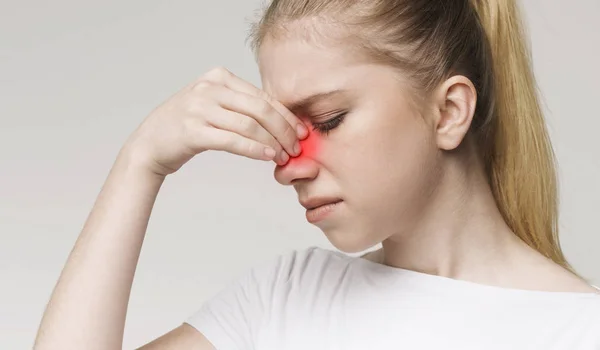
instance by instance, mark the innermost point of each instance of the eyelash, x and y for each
(327, 126)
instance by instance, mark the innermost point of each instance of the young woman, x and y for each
(411, 123)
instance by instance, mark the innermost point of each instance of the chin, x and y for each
(348, 240)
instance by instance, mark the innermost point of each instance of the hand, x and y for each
(219, 111)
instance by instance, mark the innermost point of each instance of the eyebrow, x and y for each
(312, 99)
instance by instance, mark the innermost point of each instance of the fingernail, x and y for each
(297, 148)
(301, 130)
(284, 157)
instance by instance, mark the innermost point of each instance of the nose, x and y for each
(297, 168)
(304, 166)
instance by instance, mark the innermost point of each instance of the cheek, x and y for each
(388, 153)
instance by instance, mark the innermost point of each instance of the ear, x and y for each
(454, 103)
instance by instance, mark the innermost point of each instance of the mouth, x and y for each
(318, 209)
(317, 202)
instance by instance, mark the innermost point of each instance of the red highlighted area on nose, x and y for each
(310, 147)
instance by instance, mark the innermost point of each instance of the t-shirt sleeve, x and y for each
(232, 318)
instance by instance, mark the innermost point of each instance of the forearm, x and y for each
(89, 303)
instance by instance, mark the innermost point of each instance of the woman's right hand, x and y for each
(219, 111)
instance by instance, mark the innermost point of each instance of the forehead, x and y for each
(292, 69)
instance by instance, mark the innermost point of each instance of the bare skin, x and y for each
(219, 111)
(411, 210)
(433, 211)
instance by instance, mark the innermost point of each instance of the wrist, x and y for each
(136, 163)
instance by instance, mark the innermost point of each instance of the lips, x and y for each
(315, 202)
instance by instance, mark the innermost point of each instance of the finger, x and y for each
(223, 76)
(246, 126)
(223, 140)
(301, 129)
(260, 110)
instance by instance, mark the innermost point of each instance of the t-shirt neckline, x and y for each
(426, 280)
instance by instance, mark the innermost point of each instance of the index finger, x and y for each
(223, 76)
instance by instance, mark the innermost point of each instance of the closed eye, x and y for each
(326, 126)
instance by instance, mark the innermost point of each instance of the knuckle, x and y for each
(196, 105)
(218, 74)
(202, 86)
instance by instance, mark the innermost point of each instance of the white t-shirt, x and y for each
(316, 298)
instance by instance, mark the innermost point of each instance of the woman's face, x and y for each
(379, 158)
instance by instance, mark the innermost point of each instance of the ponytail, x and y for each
(522, 161)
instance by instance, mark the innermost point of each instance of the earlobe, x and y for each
(456, 99)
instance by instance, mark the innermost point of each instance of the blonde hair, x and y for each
(431, 40)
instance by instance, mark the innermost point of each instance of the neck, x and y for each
(461, 233)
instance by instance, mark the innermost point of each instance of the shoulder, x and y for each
(296, 276)
(299, 265)
(232, 318)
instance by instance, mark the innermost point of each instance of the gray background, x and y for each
(77, 77)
